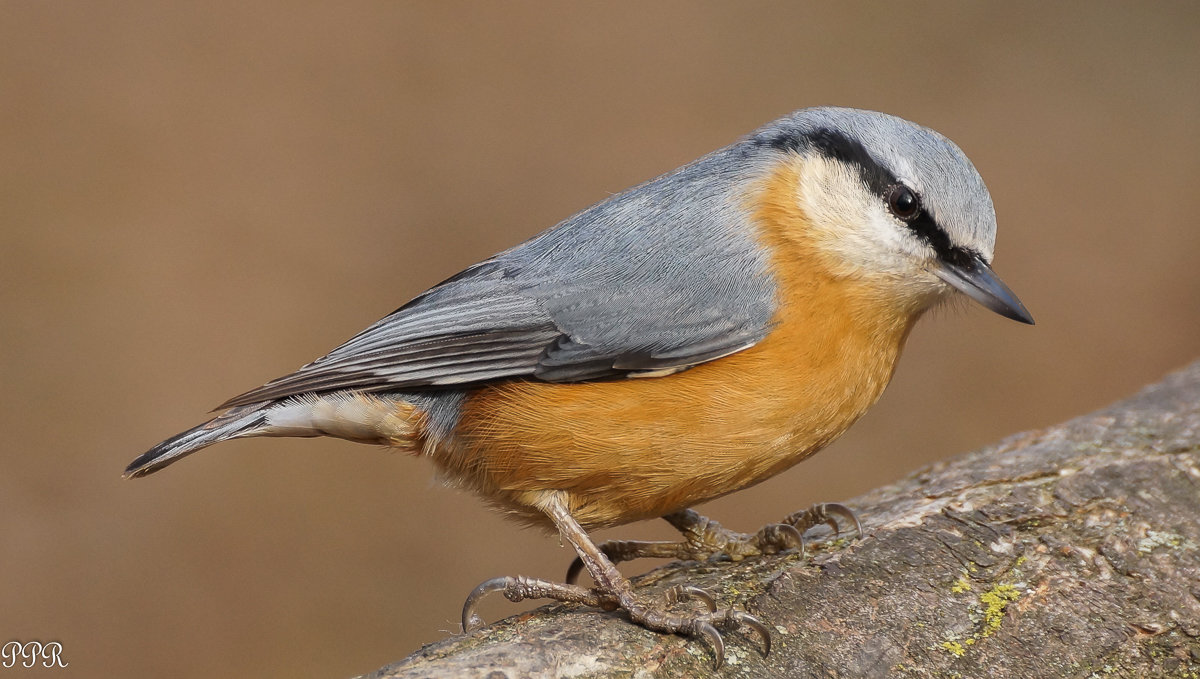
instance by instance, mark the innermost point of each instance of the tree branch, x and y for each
(1073, 551)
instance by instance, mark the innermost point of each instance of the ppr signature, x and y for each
(31, 653)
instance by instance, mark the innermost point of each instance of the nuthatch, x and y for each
(674, 343)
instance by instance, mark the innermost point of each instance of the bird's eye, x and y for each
(903, 202)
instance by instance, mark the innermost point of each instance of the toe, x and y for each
(777, 537)
(706, 630)
(755, 624)
(574, 570)
(835, 511)
(470, 619)
(686, 592)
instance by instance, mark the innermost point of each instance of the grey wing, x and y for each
(482, 326)
(655, 280)
(472, 328)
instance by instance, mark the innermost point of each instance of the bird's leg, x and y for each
(703, 537)
(613, 591)
(628, 550)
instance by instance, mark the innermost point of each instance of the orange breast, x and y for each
(639, 448)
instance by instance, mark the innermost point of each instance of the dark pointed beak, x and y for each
(976, 279)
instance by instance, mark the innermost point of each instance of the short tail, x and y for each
(364, 418)
(244, 421)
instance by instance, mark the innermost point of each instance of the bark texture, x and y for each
(1072, 551)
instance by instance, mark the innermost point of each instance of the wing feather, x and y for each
(654, 280)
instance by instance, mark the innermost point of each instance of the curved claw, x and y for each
(832, 509)
(685, 592)
(574, 570)
(757, 625)
(470, 619)
(706, 630)
(796, 537)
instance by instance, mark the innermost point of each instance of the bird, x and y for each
(673, 343)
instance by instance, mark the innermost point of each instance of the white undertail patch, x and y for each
(364, 418)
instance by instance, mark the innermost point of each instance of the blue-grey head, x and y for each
(894, 200)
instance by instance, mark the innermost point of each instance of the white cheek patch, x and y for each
(854, 225)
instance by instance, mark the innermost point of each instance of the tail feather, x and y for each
(238, 422)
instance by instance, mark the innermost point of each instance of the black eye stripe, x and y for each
(833, 144)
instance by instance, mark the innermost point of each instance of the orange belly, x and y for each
(640, 448)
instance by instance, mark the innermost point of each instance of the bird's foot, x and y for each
(704, 538)
(519, 588)
(612, 591)
(706, 625)
(831, 514)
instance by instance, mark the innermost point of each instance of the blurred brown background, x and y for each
(196, 199)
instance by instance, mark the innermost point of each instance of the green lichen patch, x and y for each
(995, 601)
(992, 605)
(954, 648)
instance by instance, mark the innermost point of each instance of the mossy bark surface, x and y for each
(1072, 551)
